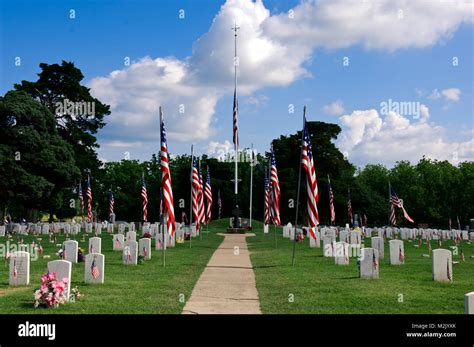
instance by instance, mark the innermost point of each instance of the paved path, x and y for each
(227, 284)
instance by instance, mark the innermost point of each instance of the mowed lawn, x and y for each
(145, 288)
(316, 285)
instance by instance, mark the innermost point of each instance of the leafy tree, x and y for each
(35, 162)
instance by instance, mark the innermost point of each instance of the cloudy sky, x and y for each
(396, 75)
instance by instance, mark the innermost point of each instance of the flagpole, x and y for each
(236, 147)
(389, 195)
(162, 217)
(298, 191)
(202, 195)
(265, 198)
(330, 207)
(191, 199)
(251, 184)
(272, 195)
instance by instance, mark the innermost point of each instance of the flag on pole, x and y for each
(144, 194)
(349, 208)
(15, 270)
(275, 191)
(202, 214)
(267, 200)
(166, 180)
(219, 203)
(89, 199)
(450, 227)
(459, 224)
(94, 270)
(208, 194)
(236, 121)
(311, 181)
(195, 194)
(397, 202)
(331, 204)
(81, 198)
(111, 203)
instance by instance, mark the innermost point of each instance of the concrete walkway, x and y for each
(227, 284)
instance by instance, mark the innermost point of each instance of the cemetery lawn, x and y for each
(317, 285)
(146, 288)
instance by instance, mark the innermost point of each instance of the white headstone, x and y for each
(355, 238)
(378, 244)
(19, 268)
(94, 268)
(341, 253)
(70, 251)
(265, 228)
(2, 230)
(118, 242)
(469, 303)
(159, 241)
(131, 236)
(130, 252)
(110, 228)
(397, 252)
(442, 265)
(344, 236)
(369, 263)
(95, 245)
(144, 247)
(62, 269)
(45, 229)
(314, 242)
(121, 228)
(328, 246)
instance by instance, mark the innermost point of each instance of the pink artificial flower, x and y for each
(65, 280)
(52, 276)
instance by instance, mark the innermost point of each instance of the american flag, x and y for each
(462, 256)
(331, 204)
(166, 180)
(81, 198)
(144, 194)
(267, 200)
(375, 262)
(94, 270)
(15, 270)
(275, 191)
(395, 201)
(111, 203)
(202, 213)
(89, 199)
(349, 208)
(311, 182)
(208, 194)
(448, 273)
(40, 248)
(401, 255)
(195, 194)
(117, 242)
(236, 121)
(145, 252)
(219, 203)
(393, 217)
(128, 253)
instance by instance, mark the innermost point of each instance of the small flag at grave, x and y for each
(145, 252)
(448, 273)
(462, 256)
(94, 270)
(117, 242)
(15, 270)
(401, 256)
(375, 262)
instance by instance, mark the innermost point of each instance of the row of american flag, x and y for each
(272, 192)
(201, 192)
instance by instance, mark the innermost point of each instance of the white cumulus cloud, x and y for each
(335, 108)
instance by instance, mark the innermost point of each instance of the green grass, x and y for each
(145, 288)
(319, 286)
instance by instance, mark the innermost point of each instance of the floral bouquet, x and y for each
(147, 235)
(51, 292)
(75, 295)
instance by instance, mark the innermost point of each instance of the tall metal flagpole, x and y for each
(163, 238)
(202, 195)
(236, 147)
(298, 191)
(252, 162)
(389, 196)
(191, 199)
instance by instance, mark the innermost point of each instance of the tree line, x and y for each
(46, 150)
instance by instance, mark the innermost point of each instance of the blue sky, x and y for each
(406, 60)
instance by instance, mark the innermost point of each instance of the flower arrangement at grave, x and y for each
(76, 295)
(147, 235)
(51, 292)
